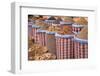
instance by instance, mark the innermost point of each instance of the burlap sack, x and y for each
(80, 48)
(51, 42)
(64, 46)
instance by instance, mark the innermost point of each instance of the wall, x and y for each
(5, 32)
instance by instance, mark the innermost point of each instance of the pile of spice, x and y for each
(54, 28)
(68, 19)
(60, 30)
(81, 21)
(66, 26)
(75, 19)
(38, 52)
(42, 24)
(65, 31)
(83, 33)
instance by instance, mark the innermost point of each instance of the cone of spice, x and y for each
(81, 44)
(58, 20)
(51, 20)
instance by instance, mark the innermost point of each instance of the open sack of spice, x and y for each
(65, 31)
(67, 19)
(54, 28)
(81, 44)
(42, 24)
(81, 21)
(79, 24)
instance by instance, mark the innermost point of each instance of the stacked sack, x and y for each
(41, 36)
(79, 24)
(30, 23)
(64, 44)
(51, 20)
(38, 30)
(64, 39)
(34, 33)
(81, 44)
(42, 24)
(67, 22)
(51, 42)
(50, 35)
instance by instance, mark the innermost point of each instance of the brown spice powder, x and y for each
(83, 33)
(82, 21)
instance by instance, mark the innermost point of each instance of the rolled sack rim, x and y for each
(50, 20)
(80, 40)
(35, 26)
(55, 24)
(30, 23)
(78, 25)
(64, 36)
(44, 31)
(76, 32)
(49, 32)
(68, 23)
